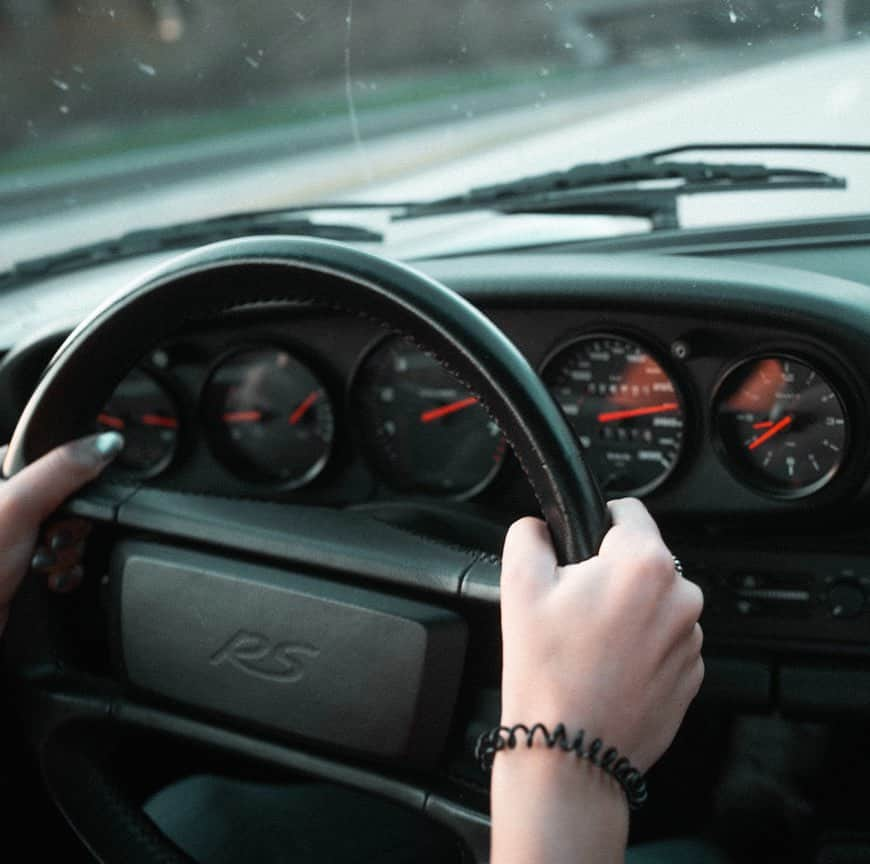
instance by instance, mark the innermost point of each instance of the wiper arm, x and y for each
(641, 186)
(182, 235)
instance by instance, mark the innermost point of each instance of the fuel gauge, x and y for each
(146, 414)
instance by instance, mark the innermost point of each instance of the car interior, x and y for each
(287, 641)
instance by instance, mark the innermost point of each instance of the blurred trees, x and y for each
(71, 65)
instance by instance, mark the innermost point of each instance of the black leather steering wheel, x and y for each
(149, 580)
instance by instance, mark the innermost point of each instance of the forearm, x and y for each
(548, 807)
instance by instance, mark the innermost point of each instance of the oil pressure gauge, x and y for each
(780, 425)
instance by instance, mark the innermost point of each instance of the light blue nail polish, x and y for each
(60, 539)
(108, 445)
(67, 579)
(42, 559)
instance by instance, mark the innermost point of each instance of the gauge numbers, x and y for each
(625, 409)
(780, 425)
(269, 416)
(423, 431)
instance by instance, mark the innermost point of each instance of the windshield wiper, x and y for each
(641, 186)
(181, 236)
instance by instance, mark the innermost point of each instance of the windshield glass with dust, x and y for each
(175, 109)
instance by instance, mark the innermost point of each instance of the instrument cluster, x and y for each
(777, 420)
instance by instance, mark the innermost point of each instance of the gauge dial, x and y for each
(625, 409)
(780, 425)
(145, 413)
(269, 417)
(423, 430)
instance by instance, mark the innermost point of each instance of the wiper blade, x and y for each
(794, 146)
(641, 186)
(182, 235)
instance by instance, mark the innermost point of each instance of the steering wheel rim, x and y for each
(217, 278)
(71, 391)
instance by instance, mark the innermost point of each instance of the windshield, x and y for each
(126, 114)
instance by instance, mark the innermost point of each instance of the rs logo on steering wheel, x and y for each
(255, 654)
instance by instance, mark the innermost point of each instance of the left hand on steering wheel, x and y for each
(30, 497)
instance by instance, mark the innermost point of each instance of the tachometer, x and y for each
(422, 429)
(626, 410)
(146, 414)
(269, 416)
(780, 425)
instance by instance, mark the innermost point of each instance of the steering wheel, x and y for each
(319, 639)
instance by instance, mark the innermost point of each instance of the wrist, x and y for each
(557, 738)
(554, 773)
(548, 805)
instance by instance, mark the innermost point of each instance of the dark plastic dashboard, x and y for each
(788, 571)
(697, 320)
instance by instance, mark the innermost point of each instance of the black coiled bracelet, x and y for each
(607, 759)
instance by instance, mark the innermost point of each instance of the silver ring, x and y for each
(678, 565)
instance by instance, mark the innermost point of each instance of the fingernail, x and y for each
(108, 445)
(42, 559)
(62, 538)
(67, 580)
(99, 449)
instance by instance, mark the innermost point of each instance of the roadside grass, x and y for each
(129, 137)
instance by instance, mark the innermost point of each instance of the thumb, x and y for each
(40, 488)
(529, 567)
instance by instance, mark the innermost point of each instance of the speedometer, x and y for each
(625, 409)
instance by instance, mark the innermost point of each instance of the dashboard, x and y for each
(731, 397)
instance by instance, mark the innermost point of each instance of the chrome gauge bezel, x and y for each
(747, 477)
(163, 383)
(218, 448)
(659, 354)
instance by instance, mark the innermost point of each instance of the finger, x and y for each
(682, 660)
(696, 640)
(40, 488)
(632, 526)
(528, 560)
(691, 679)
(66, 581)
(62, 534)
(631, 513)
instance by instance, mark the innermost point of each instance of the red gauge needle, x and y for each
(303, 406)
(110, 420)
(159, 420)
(242, 417)
(610, 416)
(444, 410)
(776, 427)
